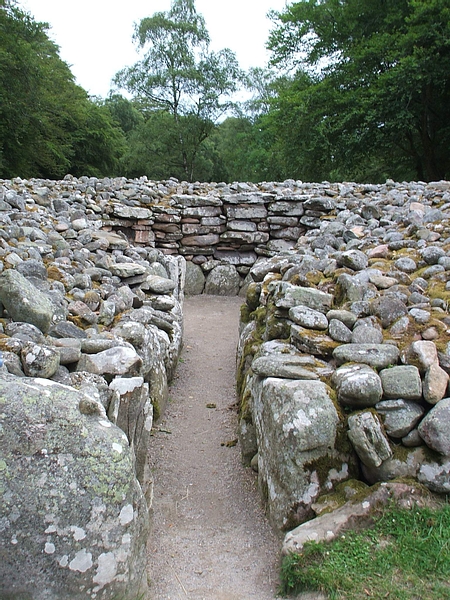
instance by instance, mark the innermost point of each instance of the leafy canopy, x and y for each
(179, 75)
(378, 101)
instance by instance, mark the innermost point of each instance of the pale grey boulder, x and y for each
(435, 427)
(119, 360)
(24, 302)
(224, 280)
(308, 317)
(283, 366)
(378, 356)
(399, 416)
(368, 439)
(74, 518)
(357, 385)
(339, 332)
(402, 381)
(195, 279)
(159, 285)
(288, 296)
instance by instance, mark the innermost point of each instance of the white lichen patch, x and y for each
(117, 447)
(64, 561)
(126, 514)
(106, 570)
(104, 423)
(82, 561)
(49, 548)
(78, 533)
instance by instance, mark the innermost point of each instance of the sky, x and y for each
(95, 36)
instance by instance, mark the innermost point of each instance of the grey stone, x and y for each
(195, 280)
(288, 296)
(435, 426)
(400, 416)
(378, 356)
(24, 302)
(224, 280)
(308, 317)
(366, 335)
(283, 366)
(346, 316)
(133, 413)
(402, 382)
(388, 309)
(312, 342)
(39, 361)
(296, 425)
(357, 385)
(339, 332)
(405, 264)
(160, 285)
(127, 269)
(74, 517)
(115, 361)
(366, 435)
(353, 259)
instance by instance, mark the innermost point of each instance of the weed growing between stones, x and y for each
(403, 555)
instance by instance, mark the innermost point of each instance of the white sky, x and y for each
(95, 36)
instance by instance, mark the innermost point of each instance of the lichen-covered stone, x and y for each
(24, 302)
(368, 439)
(378, 356)
(296, 424)
(357, 385)
(74, 518)
(434, 428)
(402, 382)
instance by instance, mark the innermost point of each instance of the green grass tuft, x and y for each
(404, 556)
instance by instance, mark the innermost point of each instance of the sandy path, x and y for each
(210, 540)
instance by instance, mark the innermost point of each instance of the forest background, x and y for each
(355, 90)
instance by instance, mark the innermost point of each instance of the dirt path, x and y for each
(210, 540)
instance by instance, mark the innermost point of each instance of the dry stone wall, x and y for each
(344, 354)
(90, 332)
(343, 358)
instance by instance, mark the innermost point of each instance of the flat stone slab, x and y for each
(378, 356)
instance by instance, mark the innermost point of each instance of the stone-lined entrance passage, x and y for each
(210, 539)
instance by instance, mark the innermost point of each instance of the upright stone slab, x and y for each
(296, 424)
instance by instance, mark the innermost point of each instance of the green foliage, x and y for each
(180, 76)
(377, 103)
(403, 556)
(48, 125)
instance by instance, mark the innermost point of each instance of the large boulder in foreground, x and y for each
(73, 517)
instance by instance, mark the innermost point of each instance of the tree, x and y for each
(48, 125)
(379, 99)
(179, 75)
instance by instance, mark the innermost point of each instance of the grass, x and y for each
(405, 555)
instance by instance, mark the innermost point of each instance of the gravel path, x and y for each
(210, 539)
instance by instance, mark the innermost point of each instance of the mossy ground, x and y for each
(402, 556)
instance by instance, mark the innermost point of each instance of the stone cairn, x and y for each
(343, 358)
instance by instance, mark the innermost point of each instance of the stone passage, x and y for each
(209, 539)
